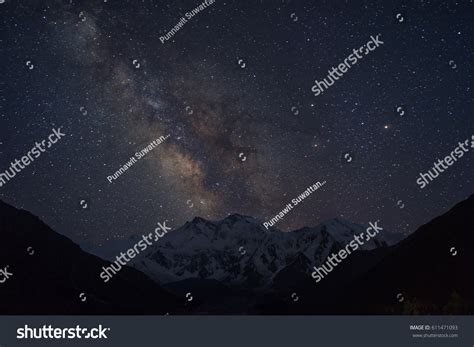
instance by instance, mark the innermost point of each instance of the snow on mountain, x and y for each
(240, 251)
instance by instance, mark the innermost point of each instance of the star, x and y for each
(230, 111)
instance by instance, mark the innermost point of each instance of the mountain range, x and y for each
(236, 266)
(238, 251)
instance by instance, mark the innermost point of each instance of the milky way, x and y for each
(232, 88)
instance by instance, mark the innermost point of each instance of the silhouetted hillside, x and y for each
(421, 269)
(51, 280)
(236, 267)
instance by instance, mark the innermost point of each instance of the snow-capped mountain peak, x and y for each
(238, 249)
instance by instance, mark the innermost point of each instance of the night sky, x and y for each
(236, 78)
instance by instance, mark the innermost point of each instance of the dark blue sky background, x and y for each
(235, 110)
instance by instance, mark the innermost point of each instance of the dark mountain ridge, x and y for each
(429, 272)
(51, 280)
